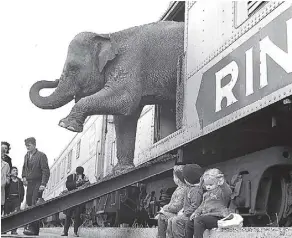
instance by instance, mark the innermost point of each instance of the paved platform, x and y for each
(247, 232)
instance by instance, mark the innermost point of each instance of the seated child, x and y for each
(192, 200)
(213, 206)
(171, 209)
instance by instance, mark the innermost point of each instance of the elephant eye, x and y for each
(72, 69)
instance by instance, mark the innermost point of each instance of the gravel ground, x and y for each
(247, 232)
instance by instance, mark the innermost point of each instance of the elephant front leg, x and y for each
(104, 102)
(126, 127)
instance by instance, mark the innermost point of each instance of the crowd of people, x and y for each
(35, 176)
(198, 203)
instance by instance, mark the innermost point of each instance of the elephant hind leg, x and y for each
(125, 127)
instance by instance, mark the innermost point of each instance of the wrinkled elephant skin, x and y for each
(116, 74)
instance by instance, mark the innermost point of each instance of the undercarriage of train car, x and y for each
(255, 153)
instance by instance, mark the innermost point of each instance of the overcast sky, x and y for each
(34, 39)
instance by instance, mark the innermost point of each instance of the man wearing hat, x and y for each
(192, 200)
(74, 181)
(35, 175)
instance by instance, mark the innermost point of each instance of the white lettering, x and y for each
(226, 91)
(278, 55)
(249, 72)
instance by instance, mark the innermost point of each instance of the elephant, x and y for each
(116, 74)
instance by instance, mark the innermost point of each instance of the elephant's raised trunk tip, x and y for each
(55, 100)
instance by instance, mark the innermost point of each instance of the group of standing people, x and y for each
(35, 176)
(199, 201)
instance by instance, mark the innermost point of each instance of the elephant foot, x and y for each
(122, 168)
(71, 125)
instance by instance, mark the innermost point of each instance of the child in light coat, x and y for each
(213, 207)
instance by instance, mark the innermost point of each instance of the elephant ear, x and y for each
(108, 51)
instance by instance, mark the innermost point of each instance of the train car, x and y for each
(237, 86)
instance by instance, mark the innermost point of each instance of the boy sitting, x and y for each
(192, 200)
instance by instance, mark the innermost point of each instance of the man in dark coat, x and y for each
(35, 175)
(5, 148)
(74, 181)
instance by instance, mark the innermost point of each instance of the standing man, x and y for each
(35, 175)
(74, 181)
(5, 148)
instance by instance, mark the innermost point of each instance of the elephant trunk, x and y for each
(57, 99)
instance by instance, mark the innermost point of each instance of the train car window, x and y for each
(54, 180)
(58, 172)
(245, 9)
(69, 161)
(62, 169)
(113, 150)
(78, 149)
(253, 6)
(64, 166)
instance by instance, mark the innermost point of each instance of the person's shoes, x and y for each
(40, 201)
(122, 168)
(14, 233)
(64, 234)
(75, 234)
(30, 233)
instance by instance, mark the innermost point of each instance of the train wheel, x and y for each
(271, 200)
(277, 200)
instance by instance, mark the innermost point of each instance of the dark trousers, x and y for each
(76, 211)
(12, 204)
(197, 227)
(32, 195)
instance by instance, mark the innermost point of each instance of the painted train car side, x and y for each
(81, 150)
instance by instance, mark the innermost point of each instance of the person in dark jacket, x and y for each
(170, 210)
(74, 181)
(15, 194)
(35, 175)
(5, 148)
(192, 200)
